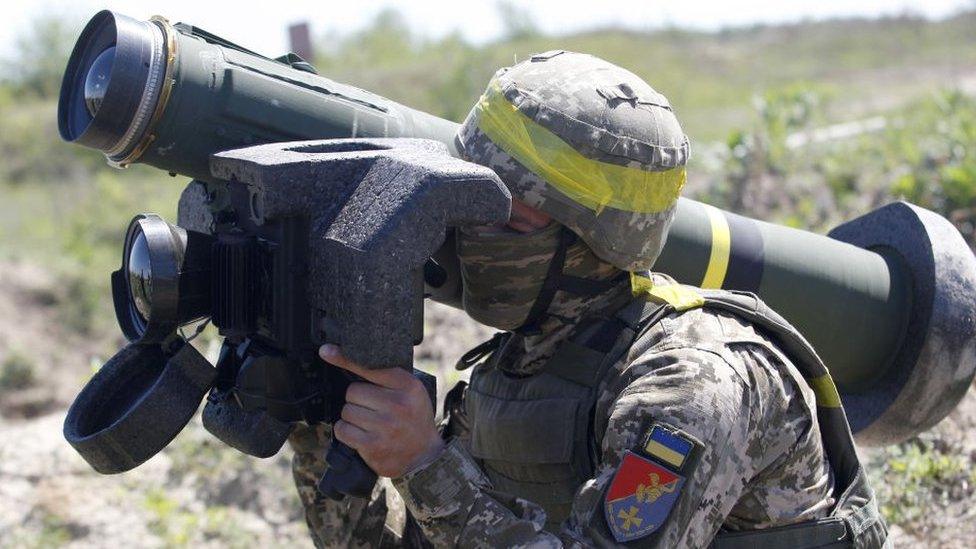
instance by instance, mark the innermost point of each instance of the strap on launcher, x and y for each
(680, 298)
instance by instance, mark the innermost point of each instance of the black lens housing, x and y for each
(135, 85)
(180, 288)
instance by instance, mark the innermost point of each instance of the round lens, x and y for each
(140, 276)
(96, 83)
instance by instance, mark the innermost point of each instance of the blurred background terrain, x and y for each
(807, 123)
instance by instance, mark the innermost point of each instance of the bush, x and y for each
(783, 170)
(917, 476)
(17, 372)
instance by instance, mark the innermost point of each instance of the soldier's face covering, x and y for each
(503, 271)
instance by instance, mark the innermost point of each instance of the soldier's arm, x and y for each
(693, 392)
(352, 522)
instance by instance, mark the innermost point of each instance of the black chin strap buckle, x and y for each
(477, 354)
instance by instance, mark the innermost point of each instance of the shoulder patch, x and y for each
(648, 482)
(640, 497)
(669, 446)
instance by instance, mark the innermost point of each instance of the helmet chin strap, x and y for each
(557, 280)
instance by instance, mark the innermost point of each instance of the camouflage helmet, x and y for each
(590, 144)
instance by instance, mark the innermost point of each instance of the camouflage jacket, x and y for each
(759, 463)
(707, 374)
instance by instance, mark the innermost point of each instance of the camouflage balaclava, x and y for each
(504, 271)
(590, 144)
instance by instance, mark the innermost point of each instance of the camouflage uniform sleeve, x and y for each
(353, 522)
(452, 501)
(689, 389)
(696, 392)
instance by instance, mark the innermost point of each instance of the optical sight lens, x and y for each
(140, 275)
(96, 83)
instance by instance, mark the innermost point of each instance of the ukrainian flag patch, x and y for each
(668, 446)
(647, 484)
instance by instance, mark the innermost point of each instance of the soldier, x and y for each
(616, 407)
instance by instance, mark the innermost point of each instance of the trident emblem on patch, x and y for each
(640, 497)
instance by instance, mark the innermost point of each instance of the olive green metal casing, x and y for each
(224, 98)
(851, 304)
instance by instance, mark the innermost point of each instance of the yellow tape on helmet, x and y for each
(591, 183)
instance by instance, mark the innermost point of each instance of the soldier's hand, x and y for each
(389, 421)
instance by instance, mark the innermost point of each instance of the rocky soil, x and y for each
(927, 485)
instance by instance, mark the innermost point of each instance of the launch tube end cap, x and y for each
(935, 365)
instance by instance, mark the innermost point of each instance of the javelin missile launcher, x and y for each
(286, 243)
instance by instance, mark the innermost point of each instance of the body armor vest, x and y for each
(534, 436)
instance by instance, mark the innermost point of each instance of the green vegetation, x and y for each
(922, 152)
(916, 476)
(50, 530)
(16, 371)
(177, 527)
(42, 52)
(224, 482)
(54, 532)
(200, 456)
(711, 78)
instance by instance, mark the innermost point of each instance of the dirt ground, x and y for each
(199, 493)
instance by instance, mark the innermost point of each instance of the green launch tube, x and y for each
(886, 299)
(827, 287)
(177, 94)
